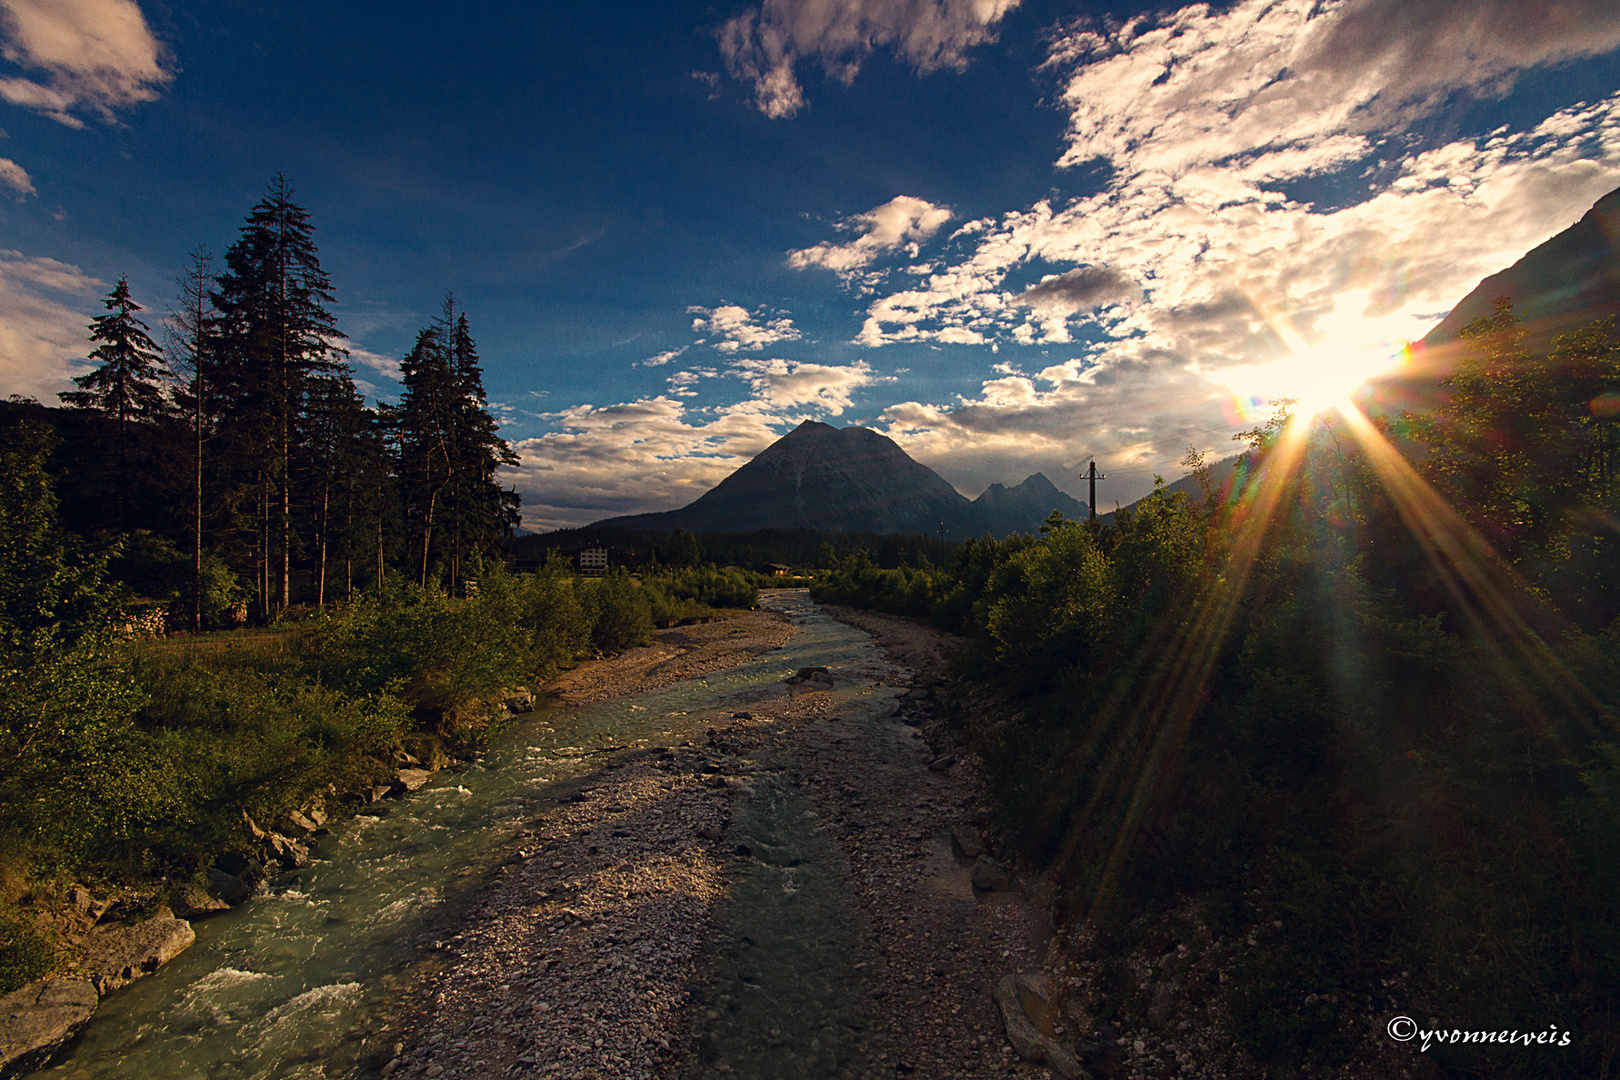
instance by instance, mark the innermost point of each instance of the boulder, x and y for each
(288, 852)
(302, 821)
(519, 700)
(1026, 1008)
(965, 842)
(989, 875)
(239, 865)
(426, 750)
(191, 898)
(228, 887)
(40, 1018)
(115, 956)
(412, 779)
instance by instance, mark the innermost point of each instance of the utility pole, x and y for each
(1094, 478)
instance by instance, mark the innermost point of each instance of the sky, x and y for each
(1012, 235)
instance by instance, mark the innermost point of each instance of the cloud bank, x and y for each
(763, 45)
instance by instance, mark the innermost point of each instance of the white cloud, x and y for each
(904, 219)
(43, 320)
(1199, 115)
(664, 357)
(15, 177)
(386, 366)
(785, 384)
(764, 44)
(737, 328)
(83, 55)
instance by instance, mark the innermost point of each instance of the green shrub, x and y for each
(620, 612)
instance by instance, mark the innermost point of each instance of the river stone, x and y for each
(38, 1019)
(989, 875)
(1012, 996)
(117, 955)
(290, 853)
(519, 700)
(302, 821)
(413, 779)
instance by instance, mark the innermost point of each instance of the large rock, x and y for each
(1026, 1008)
(519, 700)
(989, 875)
(40, 1018)
(228, 887)
(412, 779)
(115, 956)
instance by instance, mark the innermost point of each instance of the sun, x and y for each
(1350, 349)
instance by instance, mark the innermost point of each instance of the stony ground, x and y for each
(607, 948)
(684, 652)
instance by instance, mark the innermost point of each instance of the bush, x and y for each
(620, 612)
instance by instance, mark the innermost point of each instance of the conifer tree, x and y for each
(278, 338)
(126, 384)
(193, 330)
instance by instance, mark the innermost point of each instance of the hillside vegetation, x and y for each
(1360, 708)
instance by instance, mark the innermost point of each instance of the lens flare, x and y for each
(1351, 349)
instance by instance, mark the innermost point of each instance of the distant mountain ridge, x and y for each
(821, 477)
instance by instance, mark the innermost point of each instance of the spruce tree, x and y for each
(278, 338)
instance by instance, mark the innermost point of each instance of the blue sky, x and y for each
(1009, 235)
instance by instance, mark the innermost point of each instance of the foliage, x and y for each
(619, 610)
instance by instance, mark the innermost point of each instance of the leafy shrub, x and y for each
(620, 612)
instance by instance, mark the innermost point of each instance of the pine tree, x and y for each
(193, 330)
(278, 338)
(126, 385)
(424, 434)
(484, 513)
(449, 450)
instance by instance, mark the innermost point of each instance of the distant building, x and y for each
(779, 569)
(591, 560)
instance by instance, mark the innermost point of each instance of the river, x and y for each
(292, 983)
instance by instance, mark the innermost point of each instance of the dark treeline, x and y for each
(1357, 710)
(239, 462)
(802, 549)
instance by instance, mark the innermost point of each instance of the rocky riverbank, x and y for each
(610, 946)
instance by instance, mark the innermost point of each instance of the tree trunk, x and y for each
(320, 573)
(427, 534)
(197, 516)
(379, 554)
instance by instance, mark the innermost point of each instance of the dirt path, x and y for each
(779, 898)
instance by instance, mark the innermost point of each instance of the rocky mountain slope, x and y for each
(821, 477)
